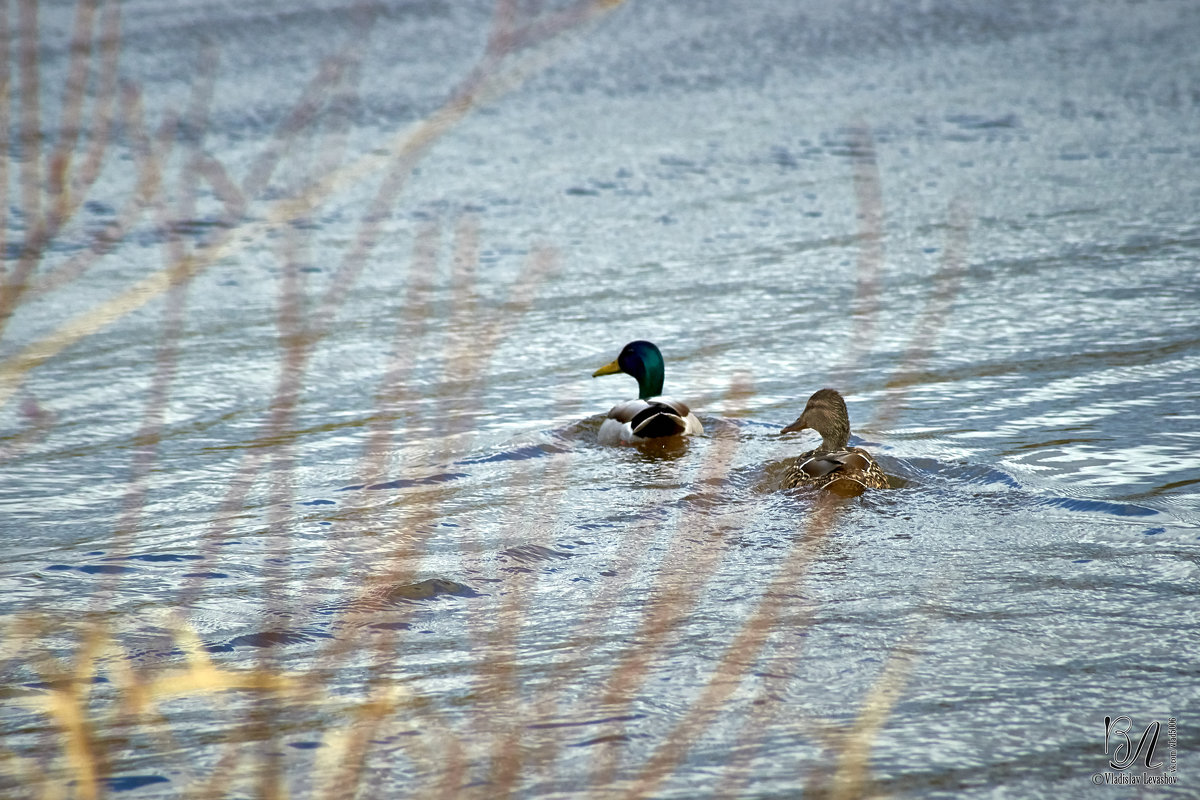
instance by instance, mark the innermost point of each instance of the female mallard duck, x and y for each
(833, 465)
(650, 416)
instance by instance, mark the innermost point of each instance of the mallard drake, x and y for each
(650, 416)
(833, 465)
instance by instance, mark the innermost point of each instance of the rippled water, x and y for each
(354, 453)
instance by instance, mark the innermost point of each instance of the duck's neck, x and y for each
(835, 441)
(650, 381)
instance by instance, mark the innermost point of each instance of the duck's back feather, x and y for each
(843, 471)
(638, 420)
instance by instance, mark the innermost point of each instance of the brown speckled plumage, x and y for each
(834, 465)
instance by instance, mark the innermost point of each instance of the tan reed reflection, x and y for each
(866, 304)
(528, 39)
(468, 352)
(851, 774)
(53, 189)
(923, 340)
(54, 182)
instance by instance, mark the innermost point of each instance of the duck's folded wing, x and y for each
(677, 406)
(625, 412)
(691, 423)
(822, 464)
(659, 419)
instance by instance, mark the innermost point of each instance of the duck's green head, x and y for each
(644, 362)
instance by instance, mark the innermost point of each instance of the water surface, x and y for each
(350, 462)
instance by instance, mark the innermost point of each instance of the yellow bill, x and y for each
(607, 369)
